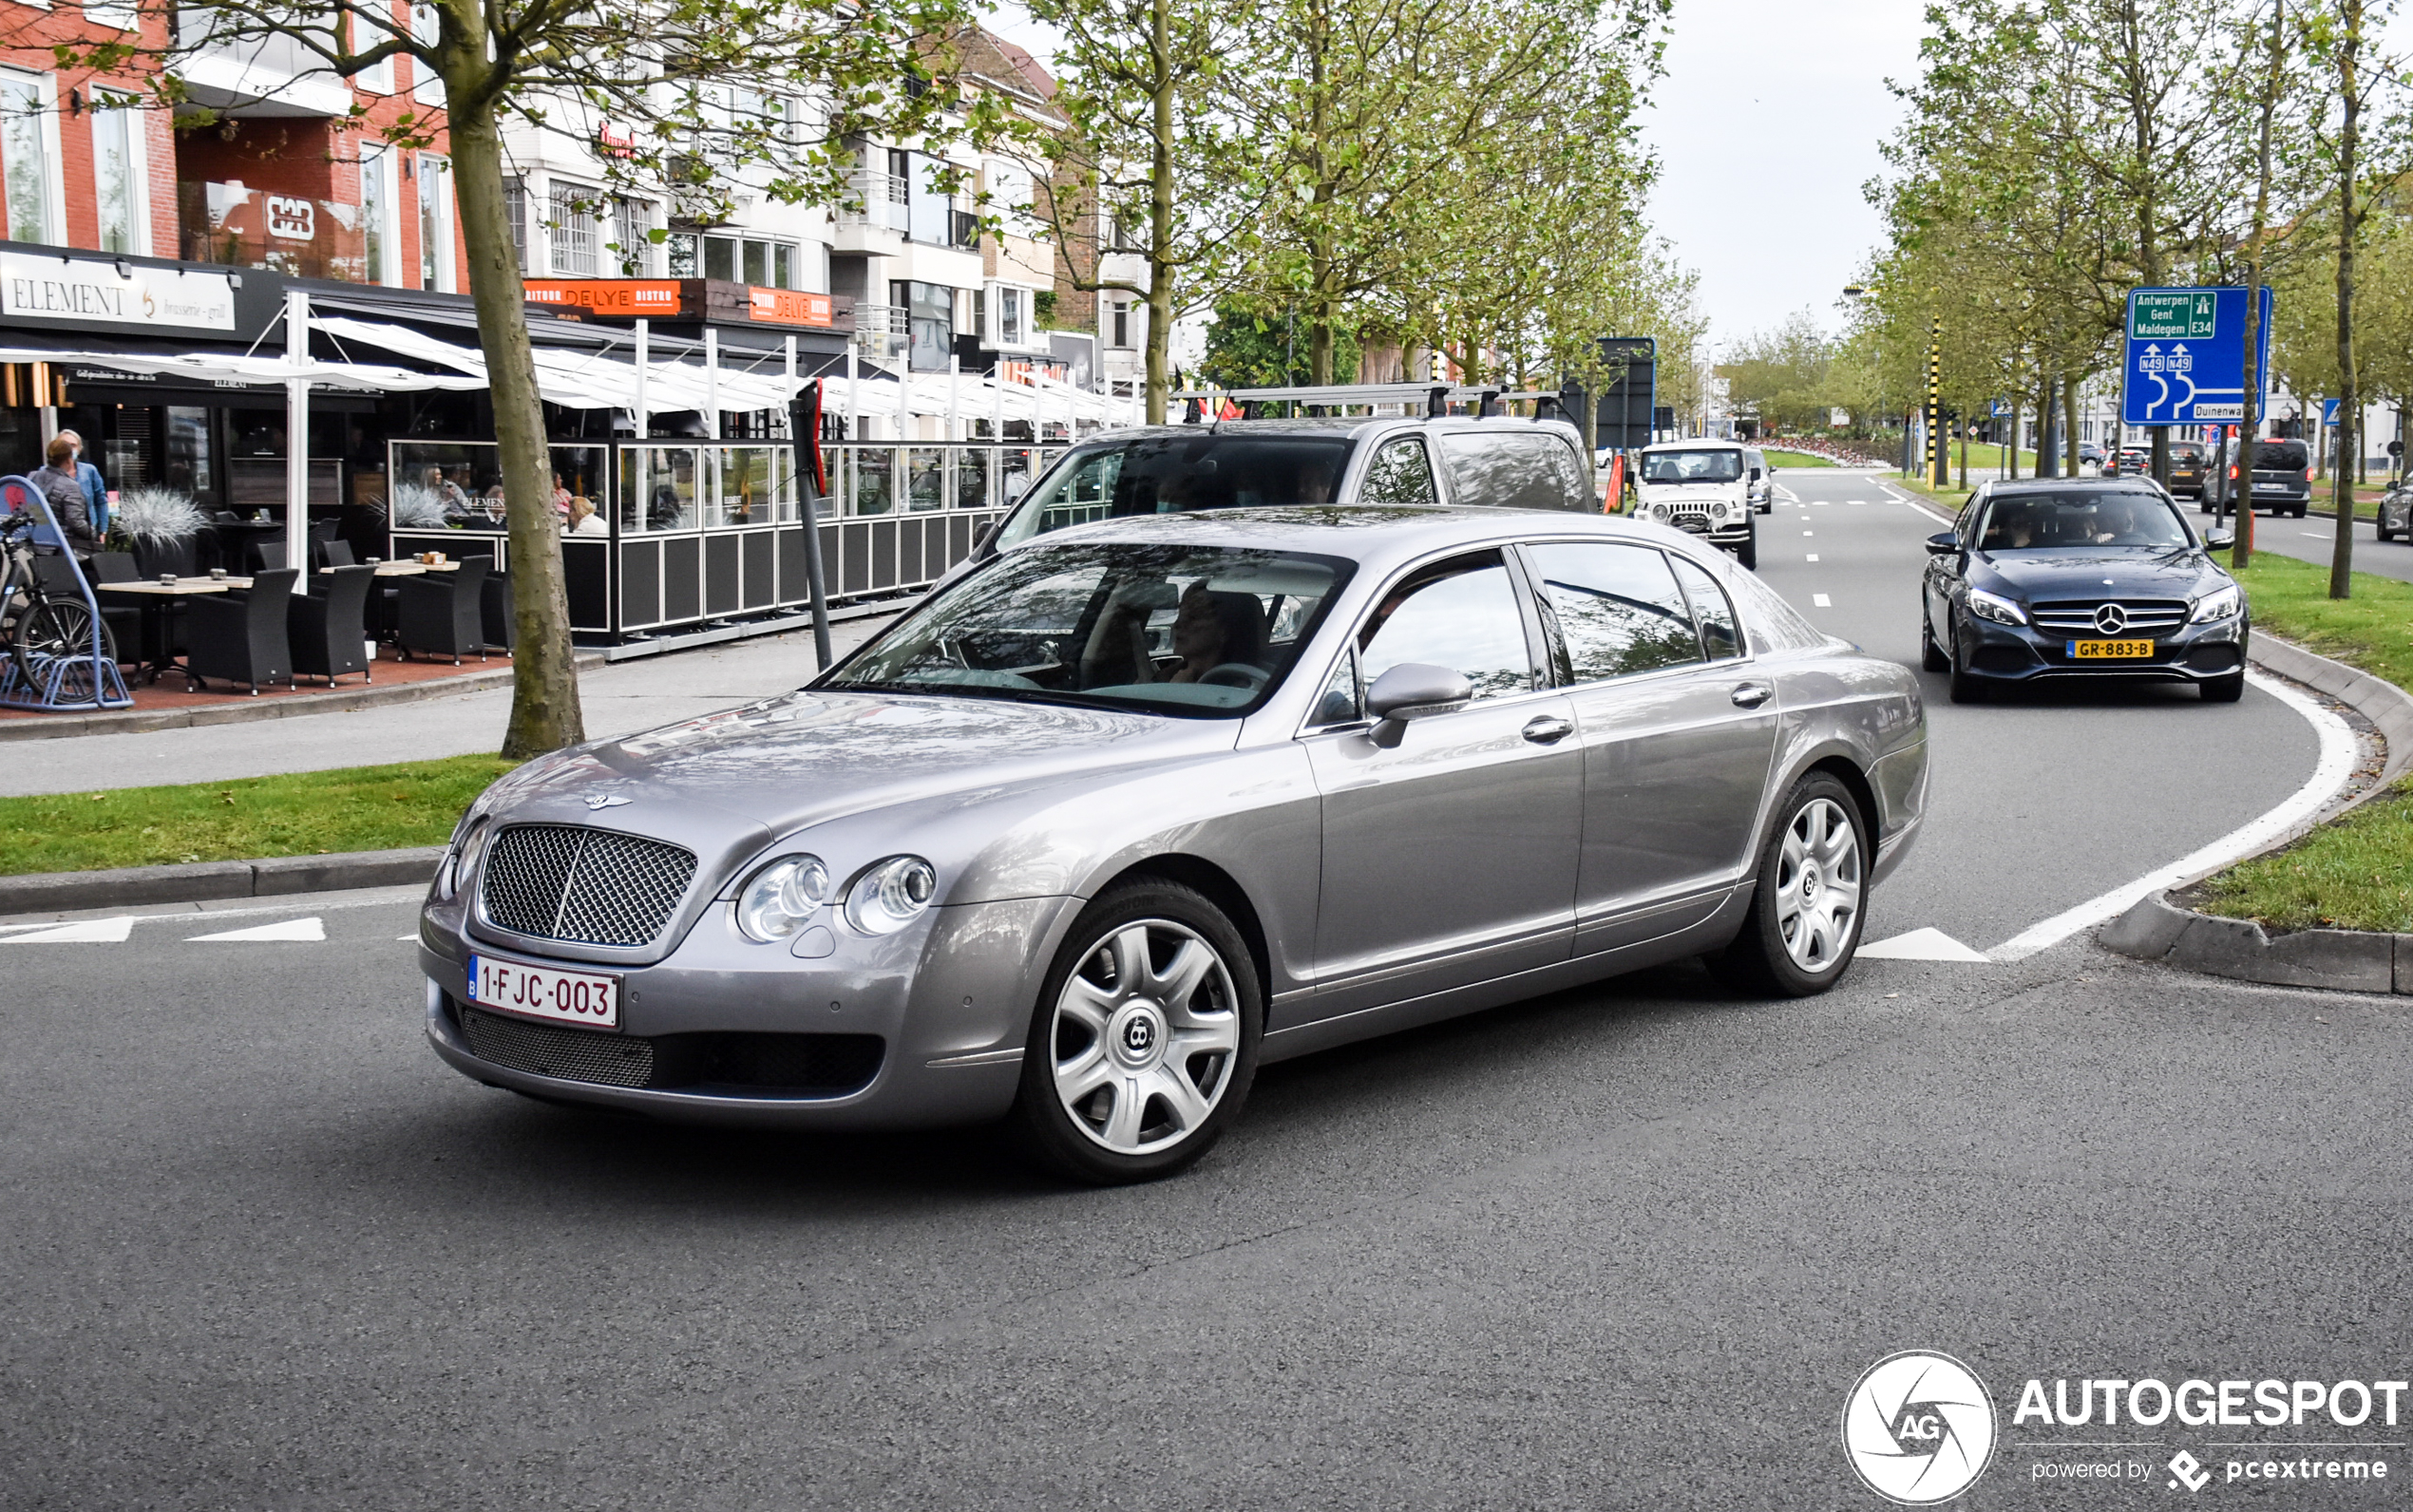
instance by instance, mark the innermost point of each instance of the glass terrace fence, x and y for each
(660, 535)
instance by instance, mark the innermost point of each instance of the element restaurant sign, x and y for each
(682, 299)
(80, 291)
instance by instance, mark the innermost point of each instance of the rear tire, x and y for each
(1144, 1040)
(2223, 689)
(1810, 898)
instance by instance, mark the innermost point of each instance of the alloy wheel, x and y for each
(1145, 1036)
(1818, 885)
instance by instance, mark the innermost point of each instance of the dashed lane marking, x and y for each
(1814, 555)
(1821, 601)
(310, 930)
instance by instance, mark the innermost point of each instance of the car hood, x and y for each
(2138, 572)
(770, 767)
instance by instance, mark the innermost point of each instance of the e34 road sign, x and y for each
(2186, 358)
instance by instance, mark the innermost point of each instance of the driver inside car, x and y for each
(1210, 630)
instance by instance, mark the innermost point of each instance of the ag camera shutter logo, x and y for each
(1918, 1427)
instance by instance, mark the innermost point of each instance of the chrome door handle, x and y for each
(1751, 695)
(1548, 730)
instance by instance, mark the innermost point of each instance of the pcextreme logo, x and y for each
(1918, 1427)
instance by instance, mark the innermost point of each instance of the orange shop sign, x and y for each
(627, 297)
(787, 306)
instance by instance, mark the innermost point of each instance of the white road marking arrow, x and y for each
(85, 931)
(293, 929)
(1929, 944)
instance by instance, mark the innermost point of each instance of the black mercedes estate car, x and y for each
(2080, 577)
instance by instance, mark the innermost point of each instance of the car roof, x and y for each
(1336, 427)
(1696, 443)
(1372, 533)
(2099, 485)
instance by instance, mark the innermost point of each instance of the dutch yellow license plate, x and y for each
(2109, 649)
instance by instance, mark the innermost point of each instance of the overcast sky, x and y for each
(1766, 125)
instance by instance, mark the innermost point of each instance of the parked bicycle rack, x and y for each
(52, 682)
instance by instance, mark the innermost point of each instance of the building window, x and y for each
(1010, 317)
(633, 237)
(380, 258)
(747, 260)
(1122, 323)
(24, 159)
(117, 183)
(515, 210)
(683, 260)
(573, 232)
(435, 223)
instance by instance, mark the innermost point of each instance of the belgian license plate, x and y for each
(540, 991)
(2109, 649)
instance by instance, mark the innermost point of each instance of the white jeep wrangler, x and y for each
(1705, 488)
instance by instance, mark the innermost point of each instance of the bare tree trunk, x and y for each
(2241, 499)
(546, 714)
(2069, 426)
(2010, 443)
(1160, 212)
(2350, 387)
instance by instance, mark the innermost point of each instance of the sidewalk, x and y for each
(619, 699)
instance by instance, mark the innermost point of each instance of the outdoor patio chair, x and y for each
(500, 629)
(333, 553)
(241, 638)
(444, 613)
(271, 555)
(327, 628)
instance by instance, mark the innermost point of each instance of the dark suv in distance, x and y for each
(2190, 465)
(2282, 477)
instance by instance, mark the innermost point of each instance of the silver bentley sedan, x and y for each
(1138, 806)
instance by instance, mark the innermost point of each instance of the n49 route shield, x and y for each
(2185, 364)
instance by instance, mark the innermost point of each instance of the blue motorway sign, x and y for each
(2330, 414)
(2185, 362)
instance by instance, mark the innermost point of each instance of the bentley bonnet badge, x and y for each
(595, 801)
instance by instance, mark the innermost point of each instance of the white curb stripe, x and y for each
(2338, 753)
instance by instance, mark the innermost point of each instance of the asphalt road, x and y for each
(1627, 1246)
(2041, 799)
(2313, 539)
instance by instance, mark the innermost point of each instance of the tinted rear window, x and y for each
(1165, 475)
(1511, 471)
(2280, 456)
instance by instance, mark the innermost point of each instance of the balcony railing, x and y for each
(880, 329)
(883, 196)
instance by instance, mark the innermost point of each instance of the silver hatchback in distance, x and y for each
(1134, 808)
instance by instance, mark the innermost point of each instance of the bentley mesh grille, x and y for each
(570, 1054)
(591, 886)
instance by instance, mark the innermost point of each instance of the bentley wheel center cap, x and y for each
(1137, 1033)
(1809, 879)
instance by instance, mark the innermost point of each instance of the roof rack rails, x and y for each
(1369, 394)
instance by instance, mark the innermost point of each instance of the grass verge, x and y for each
(2358, 872)
(2354, 874)
(349, 808)
(1795, 459)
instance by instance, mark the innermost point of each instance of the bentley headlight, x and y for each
(891, 895)
(778, 900)
(460, 859)
(1996, 608)
(2219, 604)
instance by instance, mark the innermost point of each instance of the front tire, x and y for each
(1748, 553)
(1810, 897)
(1930, 655)
(1145, 1038)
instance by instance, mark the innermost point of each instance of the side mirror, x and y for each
(1943, 544)
(1414, 690)
(2219, 539)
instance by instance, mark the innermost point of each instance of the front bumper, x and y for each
(948, 1002)
(2190, 653)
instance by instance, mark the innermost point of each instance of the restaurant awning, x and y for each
(204, 370)
(598, 378)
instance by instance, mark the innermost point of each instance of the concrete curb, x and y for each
(57, 892)
(2157, 929)
(2342, 959)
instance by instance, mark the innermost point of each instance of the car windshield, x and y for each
(1164, 475)
(2044, 521)
(1204, 631)
(1706, 464)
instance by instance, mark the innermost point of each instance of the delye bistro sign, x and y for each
(74, 289)
(677, 299)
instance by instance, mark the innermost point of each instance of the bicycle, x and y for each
(49, 639)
